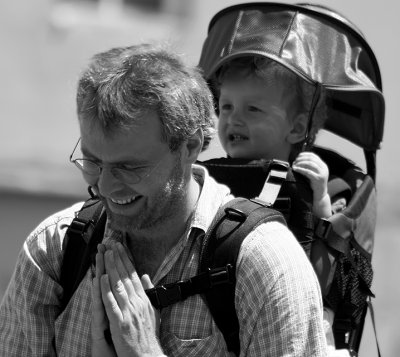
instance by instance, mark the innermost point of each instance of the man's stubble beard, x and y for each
(167, 203)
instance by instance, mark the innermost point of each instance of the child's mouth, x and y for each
(237, 138)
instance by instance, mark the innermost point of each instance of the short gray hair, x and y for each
(121, 85)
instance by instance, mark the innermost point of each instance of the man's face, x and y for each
(253, 121)
(133, 205)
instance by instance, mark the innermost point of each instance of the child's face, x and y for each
(253, 120)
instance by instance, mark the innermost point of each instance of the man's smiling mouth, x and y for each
(125, 201)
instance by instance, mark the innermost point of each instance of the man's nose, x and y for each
(107, 182)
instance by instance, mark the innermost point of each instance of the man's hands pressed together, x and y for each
(121, 306)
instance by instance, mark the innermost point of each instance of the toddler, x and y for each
(263, 113)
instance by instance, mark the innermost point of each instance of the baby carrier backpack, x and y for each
(327, 51)
(340, 247)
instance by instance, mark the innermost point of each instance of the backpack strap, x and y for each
(216, 279)
(237, 219)
(80, 244)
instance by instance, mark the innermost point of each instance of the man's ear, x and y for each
(193, 146)
(299, 129)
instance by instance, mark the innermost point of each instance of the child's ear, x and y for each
(299, 129)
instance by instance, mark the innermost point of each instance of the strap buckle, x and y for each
(165, 295)
(168, 294)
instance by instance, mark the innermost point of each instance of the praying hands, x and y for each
(124, 323)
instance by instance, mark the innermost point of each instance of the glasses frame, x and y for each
(100, 167)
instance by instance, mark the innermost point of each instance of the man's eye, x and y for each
(131, 168)
(254, 109)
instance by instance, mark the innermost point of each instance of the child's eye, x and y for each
(225, 107)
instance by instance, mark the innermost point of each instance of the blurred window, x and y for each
(150, 5)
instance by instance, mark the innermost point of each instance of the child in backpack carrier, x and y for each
(263, 114)
(263, 111)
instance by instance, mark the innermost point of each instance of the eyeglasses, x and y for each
(123, 172)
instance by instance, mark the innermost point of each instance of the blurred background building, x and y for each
(46, 43)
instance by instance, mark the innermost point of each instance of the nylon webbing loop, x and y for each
(168, 294)
(276, 177)
(83, 224)
(324, 231)
(80, 226)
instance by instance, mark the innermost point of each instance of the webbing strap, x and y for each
(168, 294)
(276, 177)
(80, 242)
(371, 310)
(324, 230)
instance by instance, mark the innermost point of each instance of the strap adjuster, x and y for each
(168, 294)
(80, 226)
(323, 228)
(223, 275)
(235, 214)
(278, 171)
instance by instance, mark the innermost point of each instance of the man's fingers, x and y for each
(99, 318)
(126, 270)
(110, 302)
(123, 289)
(123, 269)
(124, 257)
(146, 282)
(100, 269)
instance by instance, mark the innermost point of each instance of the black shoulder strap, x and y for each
(80, 244)
(216, 279)
(239, 218)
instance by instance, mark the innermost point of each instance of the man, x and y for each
(144, 118)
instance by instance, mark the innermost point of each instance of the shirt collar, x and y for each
(212, 196)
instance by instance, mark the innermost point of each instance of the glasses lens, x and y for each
(87, 166)
(129, 175)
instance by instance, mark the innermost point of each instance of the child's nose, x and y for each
(236, 118)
